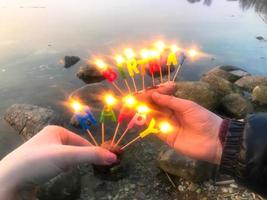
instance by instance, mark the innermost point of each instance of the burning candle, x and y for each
(154, 64)
(120, 61)
(107, 114)
(108, 73)
(139, 119)
(126, 113)
(143, 63)
(84, 117)
(131, 65)
(172, 59)
(164, 127)
(160, 46)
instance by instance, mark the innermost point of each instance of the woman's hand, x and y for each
(196, 129)
(51, 151)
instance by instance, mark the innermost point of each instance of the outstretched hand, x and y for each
(196, 129)
(51, 151)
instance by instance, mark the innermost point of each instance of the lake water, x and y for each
(36, 34)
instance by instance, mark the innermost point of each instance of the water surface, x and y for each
(35, 35)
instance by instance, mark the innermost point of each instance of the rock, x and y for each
(178, 165)
(259, 95)
(260, 38)
(89, 74)
(65, 186)
(220, 85)
(236, 106)
(30, 119)
(199, 92)
(250, 82)
(228, 72)
(70, 61)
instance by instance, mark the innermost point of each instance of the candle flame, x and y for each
(174, 48)
(144, 53)
(165, 127)
(76, 106)
(100, 64)
(129, 101)
(143, 109)
(154, 53)
(110, 99)
(192, 53)
(129, 53)
(160, 46)
(119, 59)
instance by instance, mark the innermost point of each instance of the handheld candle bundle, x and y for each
(132, 112)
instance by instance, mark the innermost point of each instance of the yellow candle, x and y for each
(131, 62)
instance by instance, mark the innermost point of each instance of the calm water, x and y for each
(36, 34)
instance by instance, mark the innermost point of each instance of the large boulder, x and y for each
(89, 74)
(70, 61)
(29, 119)
(173, 163)
(250, 82)
(236, 106)
(199, 92)
(259, 95)
(228, 72)
(220, 85)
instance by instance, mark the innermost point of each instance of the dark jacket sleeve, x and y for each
(245, 152)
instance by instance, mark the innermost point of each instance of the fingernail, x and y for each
(110, 157)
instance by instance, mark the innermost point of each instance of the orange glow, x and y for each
(160, 46)
(129, 101)
(193, 53)
(174, 48)
(100, 64)
(154, 53)
(165, 127)
(143, 109)
(119, 59)
(110, 100)
(129, 53)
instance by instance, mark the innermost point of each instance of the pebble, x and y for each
(230, 190)
(224, 190)
(198, 191)
(180, 188)
(233, 185)
(132, 186)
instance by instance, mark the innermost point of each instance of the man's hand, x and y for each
(51, 151)
(196, 129)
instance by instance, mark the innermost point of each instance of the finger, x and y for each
(72, 155)
(70, 138)
(167, 88)
(171, 102)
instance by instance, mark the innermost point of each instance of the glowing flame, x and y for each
(100, 64)
(129, 101)
(160, 46)
(174, 48)
(76, 106)
(165, 127)
(192, 53)
(119, 59)
(154, 54)
(144, 53)
(110, 99)
(129, 53)
(143, 109)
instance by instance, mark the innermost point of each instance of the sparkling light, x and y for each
(119, 59)
(174, 48)
(143, 109)
(129, 101)
(129, 53)
(110, 99)
(165, 127)
(144, 53)
(160, 46)
(192, 53)
(100, 64)
(76, 106)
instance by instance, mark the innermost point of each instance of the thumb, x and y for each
(171, 102)
(73, 155)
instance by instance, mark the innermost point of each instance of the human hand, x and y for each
(51, 151)
(195, 131)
